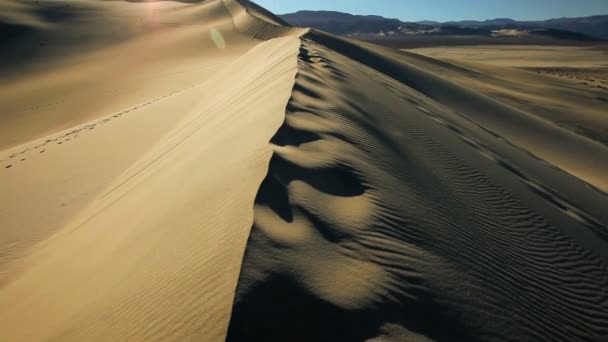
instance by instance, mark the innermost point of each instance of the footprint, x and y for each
(8, 166)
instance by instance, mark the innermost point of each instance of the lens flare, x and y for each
(218, 38)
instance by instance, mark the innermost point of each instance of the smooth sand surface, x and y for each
(522, 55)
(132, 224)
(199, 171)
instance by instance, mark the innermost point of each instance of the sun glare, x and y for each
(218, 38)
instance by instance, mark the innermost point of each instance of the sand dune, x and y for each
(400, 198)
(515, 125)
(390, 213)
(572, 97)
(136, 221)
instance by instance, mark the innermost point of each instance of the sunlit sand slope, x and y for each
(82, 60)
(157, 255)
(124, 214)
(388, 215)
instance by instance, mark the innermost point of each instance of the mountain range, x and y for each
(584, 28)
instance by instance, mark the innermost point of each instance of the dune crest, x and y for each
(390, 213)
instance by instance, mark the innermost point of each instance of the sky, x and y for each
(447, 10)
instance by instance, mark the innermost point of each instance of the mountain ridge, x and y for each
(579, 28)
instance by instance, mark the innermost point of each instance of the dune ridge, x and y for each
(388, 213)
(255, 21)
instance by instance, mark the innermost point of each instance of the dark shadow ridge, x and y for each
(288, 135)
(339, 180)
(280, 310)
(274, 194)
(10, 32)
(56, 13)
(306, 91)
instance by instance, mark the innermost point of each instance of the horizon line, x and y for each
(446, 21)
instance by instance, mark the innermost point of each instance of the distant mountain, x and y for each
(342, 23)
(475, 23)
(427, 22)
(594, 27)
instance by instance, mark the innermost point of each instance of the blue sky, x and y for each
(445, 10)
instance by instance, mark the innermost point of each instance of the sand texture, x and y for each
(201, 171)
(400, 206)
(132, 224)
(565, 85)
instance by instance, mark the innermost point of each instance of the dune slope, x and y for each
(125, 215)
(81, 60)
(557, 146)
(389, 215)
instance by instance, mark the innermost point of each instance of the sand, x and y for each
(522, 55)
(400, 205)
(135, 219)
(201, 171)
(574, 97)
